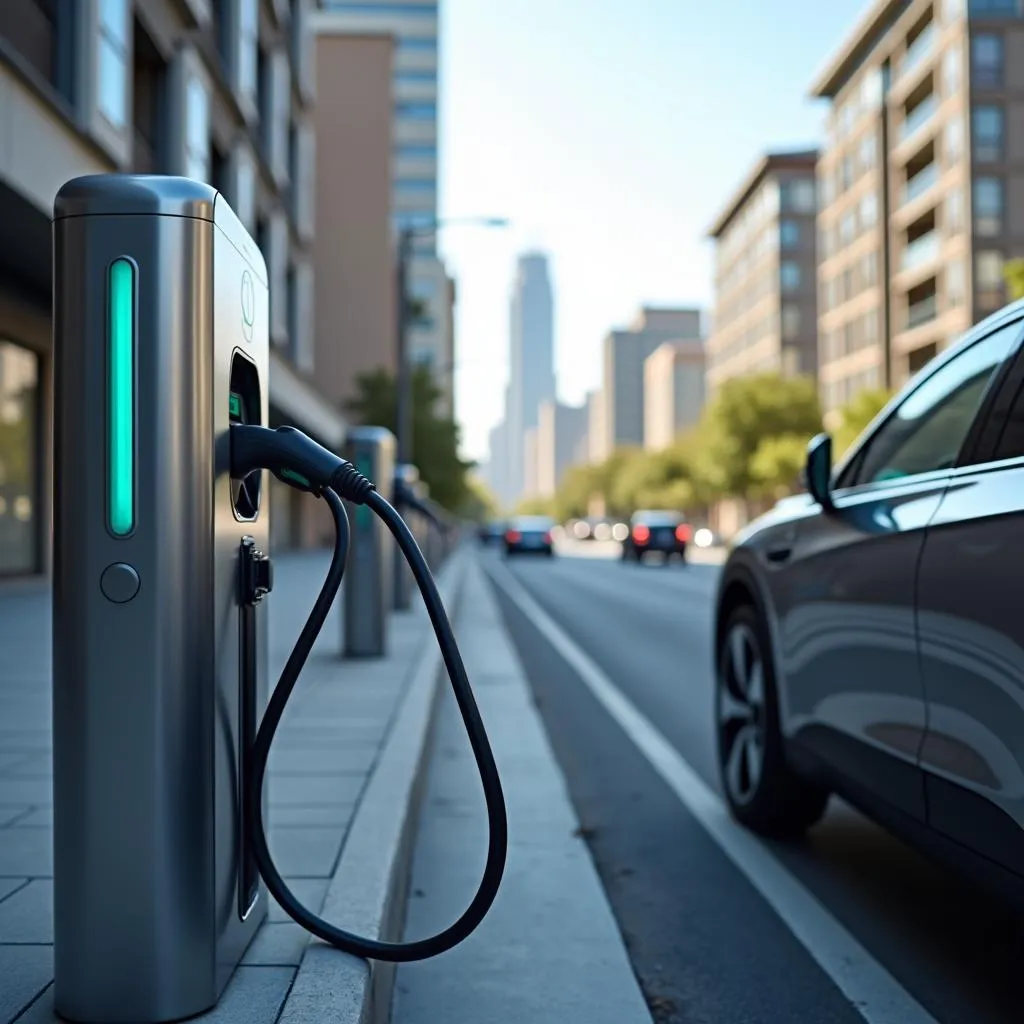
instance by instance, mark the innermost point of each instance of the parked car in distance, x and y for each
(530, 534)
(869, 640)
(656, 530)
(491, 532)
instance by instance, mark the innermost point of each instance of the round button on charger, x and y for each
(119, 582)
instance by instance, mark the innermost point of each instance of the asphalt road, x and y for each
(706, 944)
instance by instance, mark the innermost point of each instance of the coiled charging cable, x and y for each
(300, 462)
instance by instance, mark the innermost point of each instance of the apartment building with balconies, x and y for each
(218, 90)
(921, 182)
(765, 316)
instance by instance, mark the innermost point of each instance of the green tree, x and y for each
(744, 413)
(854, 417)
(776, 466)
(480, 504)
(534, 507)
(435, 438)
(1013, 274)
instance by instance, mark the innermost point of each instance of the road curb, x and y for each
(367, 892)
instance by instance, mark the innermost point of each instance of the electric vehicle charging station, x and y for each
(405, 474)
(370, 575)
(161, 562)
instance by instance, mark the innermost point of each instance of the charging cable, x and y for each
(299, 461)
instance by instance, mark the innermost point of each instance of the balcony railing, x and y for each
(919, 50)
(921, 312)
(923, 250)
(919, 117)
(920, 182)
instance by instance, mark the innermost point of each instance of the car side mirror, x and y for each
(818, 471)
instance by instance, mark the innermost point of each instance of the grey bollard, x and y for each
(369, 576)
(159, 662)
(403, 581)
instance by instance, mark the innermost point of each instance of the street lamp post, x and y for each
(403, 375)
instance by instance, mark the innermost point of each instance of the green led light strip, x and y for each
(121, 397)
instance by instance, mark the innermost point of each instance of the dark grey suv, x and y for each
(870, 633)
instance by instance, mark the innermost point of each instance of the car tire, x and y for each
(762, 791)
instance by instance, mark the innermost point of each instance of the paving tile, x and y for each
(279, 943)
(37, 817)
(254, 995)
(309, 892)
(27, 915)
(26, 971)
(26, 853)
(297, 816)
(314, 789)
(305, 852)
(9, 885)
(26, 791)
(31, 766)
(12, 812)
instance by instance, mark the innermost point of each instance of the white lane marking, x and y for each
(874, 993)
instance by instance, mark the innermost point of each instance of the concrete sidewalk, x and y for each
(341, 785)
(550, 950)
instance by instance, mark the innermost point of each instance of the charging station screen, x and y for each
(235, 414)
(121, 397)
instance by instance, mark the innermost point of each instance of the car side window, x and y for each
(1011, 438)
(928, 429)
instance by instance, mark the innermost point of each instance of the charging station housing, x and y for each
(159, 654)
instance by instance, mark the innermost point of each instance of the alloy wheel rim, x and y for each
(741, 713)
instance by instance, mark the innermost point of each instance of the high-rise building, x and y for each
(414, 164)
(561, 430)
(765, 317)
(620, 420)
(531, 465)
(221, 93)
(531, 356)
(498, 463)
(673, 391)
(599, 445)
(919, 185)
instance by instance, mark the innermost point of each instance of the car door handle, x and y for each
(779, 553)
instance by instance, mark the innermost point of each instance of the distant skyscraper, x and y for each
(531, 358)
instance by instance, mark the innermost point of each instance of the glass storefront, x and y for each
(19, 459)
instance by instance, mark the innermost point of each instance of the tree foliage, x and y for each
(435, 438)
(854, 417)
(480, 504)
(1013, 274)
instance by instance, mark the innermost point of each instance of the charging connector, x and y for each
(299, 461)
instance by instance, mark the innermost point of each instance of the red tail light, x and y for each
(683, 533)
(641, 534)
(547, 537)
(513, 536)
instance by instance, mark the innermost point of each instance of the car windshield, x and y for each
(658, 518)
(533, 523)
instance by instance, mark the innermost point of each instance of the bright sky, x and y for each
(610, 133)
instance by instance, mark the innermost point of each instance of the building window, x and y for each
(954, 212)
(994, 8)
(868, 152)
(416, 111)
(247, 45)
(41, 32)
(112, 60)
(951, 72)
(956, 283)
(391, 10)
(987, 60)
(868, 211)
(870, 327)
(790, 321)
(411, 44)
(415, 151)
(988, 278)
(987, 134)
(415, 186)
(789, 275)
(846, 174)
(870, 269)
(197, 130)
(148, 105)
(848, 228)
(20, 454)
(988, 207)
(427, 76)
(954, 141)
(789, 234)
(798, 196)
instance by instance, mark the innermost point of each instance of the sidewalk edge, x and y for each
(367, 893)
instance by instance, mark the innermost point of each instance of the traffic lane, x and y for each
(649, 628)
(956, 949)
(705, 947)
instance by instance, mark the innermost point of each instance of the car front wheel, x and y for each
(761, 789)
